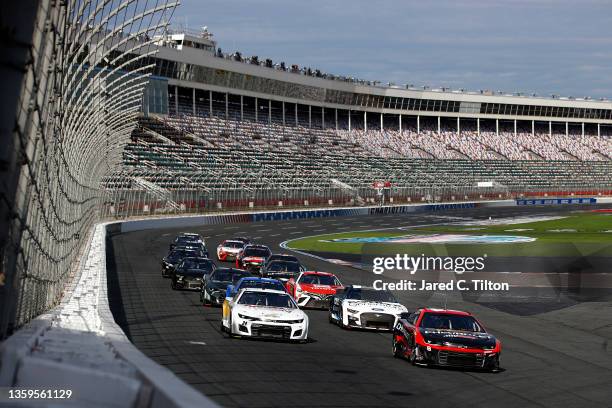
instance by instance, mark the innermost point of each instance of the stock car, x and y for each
(170, 261)
(265, 313)
(185, 238)
(252, 257)
(189, 274)
(445, 338)
(215, 284)
(281, 257)
(365, 308)
(248, 282)
(313, 289)
(281, 270)
(229, 249)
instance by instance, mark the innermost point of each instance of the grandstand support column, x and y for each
(400, 123)
(193, 101)
(257, 109)
(296, 119)
(309, 116)
(322, 117)
(439, 124)
(336, 117)
(497, 127)
(226, 106)
(349, 120)
(176, 100)
(269, 112)
(365, 121)
(566, 129)
(283, 103)
(582, 130)
(550, 128)
(381, 121)
(533, 128)
(478, 126)
(210, 113)
(514, 127)
(599, 130)
(242, 108)
(419, 124)
(458, 125)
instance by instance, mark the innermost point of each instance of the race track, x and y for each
(557, 356)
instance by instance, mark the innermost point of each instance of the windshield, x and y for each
(199, 264)
(259, 252)
(372, 295)
(288, 258)
(261, 284)
(450, 322)
(180, 254)
(186, 239)
(267, 299)
(320, 280)
(281, 266)
(232, 244)
(227, 275)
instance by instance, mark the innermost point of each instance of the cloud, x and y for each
(541, 46)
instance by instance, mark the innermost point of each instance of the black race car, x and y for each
(189, 274)
(445, 338)
(170, 262)
(186, 239)
(282, 257)
(281, 269)
(215, 284)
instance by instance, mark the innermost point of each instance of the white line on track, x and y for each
(274, 235)
(264, 230)
(319, 230)
(197, 343)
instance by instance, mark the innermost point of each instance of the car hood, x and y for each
(218, 285)
(270, 313)
(228, 249)
(365, 305)
(192, 273)
(456, 338)
(320, 289)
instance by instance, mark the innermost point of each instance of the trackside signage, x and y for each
(557, 201)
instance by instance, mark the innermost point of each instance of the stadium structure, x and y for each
(220, 130)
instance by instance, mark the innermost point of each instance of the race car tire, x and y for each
(494, 366)
(205, 302)
(398, 349)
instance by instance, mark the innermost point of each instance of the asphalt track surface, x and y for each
(553, 357)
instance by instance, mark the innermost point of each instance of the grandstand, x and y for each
(230, 131)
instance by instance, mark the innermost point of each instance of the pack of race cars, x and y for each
(262, 295)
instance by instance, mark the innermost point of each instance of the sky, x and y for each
(532, 46)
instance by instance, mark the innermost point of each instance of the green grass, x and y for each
(586, 235)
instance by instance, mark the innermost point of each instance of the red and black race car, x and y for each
(314, 289)
(445, 338)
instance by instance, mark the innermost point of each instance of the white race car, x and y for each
(365, 308)
(229, 249)
(265, 313)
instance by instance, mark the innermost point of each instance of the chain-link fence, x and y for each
(74, 75)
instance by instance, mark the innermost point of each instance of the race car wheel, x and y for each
(398, 349)
(413, 355)
(494, 366)
(205, 301)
